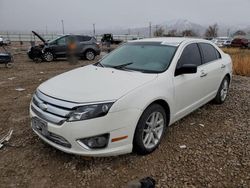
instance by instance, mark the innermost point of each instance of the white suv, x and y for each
(126, 101)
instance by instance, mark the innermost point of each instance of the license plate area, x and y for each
(40, 125)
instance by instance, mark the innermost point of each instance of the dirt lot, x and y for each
(217, 140)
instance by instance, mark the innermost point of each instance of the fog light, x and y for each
(96, 142)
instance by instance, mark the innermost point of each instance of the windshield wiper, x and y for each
(122, 65)
(98, 64)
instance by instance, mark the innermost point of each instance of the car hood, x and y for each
(39, 36)
(94, 84)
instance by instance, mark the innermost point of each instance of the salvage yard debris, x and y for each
(202, 125)
(11, 78)
(20, 89)
(147, 182)
(6, 138)
(183, 146)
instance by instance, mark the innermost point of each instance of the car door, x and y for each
(85, 43)
(212, 67)
(188, 87)
(60, 49)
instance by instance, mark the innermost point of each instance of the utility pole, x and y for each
(228, 32)
(62, 27)
(150, 29)
(93, 29)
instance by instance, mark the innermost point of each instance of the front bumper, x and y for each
(117, 124)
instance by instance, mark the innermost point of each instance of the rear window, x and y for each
(209, 52)
(83, 38)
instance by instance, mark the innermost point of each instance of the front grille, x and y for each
(50, 109)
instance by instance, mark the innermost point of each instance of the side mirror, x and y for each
(186, 69)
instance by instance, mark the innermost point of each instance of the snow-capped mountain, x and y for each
(182, 24)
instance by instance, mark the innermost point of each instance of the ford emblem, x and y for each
(43, 106)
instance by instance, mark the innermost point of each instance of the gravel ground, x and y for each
(217, 139)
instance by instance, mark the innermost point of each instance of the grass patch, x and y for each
(241, 60)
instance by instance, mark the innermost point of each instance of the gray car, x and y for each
(86, 47)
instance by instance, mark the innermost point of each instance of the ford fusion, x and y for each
(126, 101)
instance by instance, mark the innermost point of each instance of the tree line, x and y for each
(211, 32)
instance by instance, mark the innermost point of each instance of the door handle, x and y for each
(203, 74)
(223, 66)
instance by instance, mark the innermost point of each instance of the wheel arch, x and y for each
(228, 76)
(162, 103)
(166, 107)
(89, 49)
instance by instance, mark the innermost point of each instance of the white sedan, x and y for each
(126, 101)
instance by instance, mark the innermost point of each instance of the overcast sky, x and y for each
(81, 14)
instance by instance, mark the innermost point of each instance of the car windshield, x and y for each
(151, 57)
(53, 40)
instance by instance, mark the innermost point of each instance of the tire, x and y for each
(48, 56)
(89, 55)
(222, 92)
(9, 65)
(147, 130)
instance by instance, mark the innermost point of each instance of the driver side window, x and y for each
(61, 41)
(190, 55)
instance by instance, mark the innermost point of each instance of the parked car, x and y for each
(4, 41)
(126, 101)
(227, 43)
(87, 47)
(239, 42)
(222, 41)
(108, 37)
(5, 57)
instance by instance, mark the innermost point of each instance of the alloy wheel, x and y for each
(153, 130)
(90, 55)
(224, 90)
(48, 56)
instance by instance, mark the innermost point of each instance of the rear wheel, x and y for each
(90, 55)
(150, 129)
(222, 92)
(48, 56)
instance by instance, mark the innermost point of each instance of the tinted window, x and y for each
(190, 55)
(61, 41)
(209, 52)
(83, 38)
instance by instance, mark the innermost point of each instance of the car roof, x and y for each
(76, 35)
(175, 41)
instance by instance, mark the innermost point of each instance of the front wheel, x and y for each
(150, 129)
(222, 92)
(48, 56)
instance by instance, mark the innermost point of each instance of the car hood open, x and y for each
(39, 36)
(94, 84)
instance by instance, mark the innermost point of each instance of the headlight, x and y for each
(90, 111)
